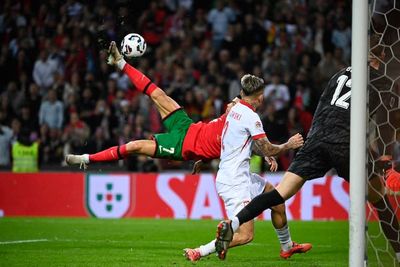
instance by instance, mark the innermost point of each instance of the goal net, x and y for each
(382, 234)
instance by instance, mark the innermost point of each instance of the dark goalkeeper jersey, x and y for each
(331, 121)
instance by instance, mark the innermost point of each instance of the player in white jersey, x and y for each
(242, 126)
(235, 184)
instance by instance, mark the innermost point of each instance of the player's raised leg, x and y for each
(142, 147)
(164, 103)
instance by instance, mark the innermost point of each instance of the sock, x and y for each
(389, 222)
(207, 249)
(259, 204)
(111, 154)
(86, 158)
(139, 80)
(235, 224)
(398, 256)
(284, 238)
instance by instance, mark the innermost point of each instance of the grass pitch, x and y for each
(151, 242)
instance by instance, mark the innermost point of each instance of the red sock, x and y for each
(141, 81)
(110, 154)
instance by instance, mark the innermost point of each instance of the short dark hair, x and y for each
(251, 84)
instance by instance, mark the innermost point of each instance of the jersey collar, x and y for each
(247, 105)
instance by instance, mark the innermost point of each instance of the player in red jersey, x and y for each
(183, 140)
(186, 140)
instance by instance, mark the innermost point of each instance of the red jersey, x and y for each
(203, 140)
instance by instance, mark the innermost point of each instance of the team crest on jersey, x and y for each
(258, 124)
(108, 196)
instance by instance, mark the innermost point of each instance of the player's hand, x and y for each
(273, 164)
(113, 54)
(296, 141)
(197, 167)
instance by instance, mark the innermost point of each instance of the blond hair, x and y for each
(251, 84)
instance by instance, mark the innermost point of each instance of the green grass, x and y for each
(150, 242)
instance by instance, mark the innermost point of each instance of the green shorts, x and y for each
(169, 144)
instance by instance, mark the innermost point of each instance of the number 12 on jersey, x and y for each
(342, 100)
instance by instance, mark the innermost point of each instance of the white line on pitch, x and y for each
(22, 241)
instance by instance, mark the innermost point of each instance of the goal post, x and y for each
(374, 232)
(358, 133)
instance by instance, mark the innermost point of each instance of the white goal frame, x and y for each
(358, 133)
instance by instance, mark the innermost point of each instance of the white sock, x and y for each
(207, 249)
(235, 224)
(284, 238)
(86, 158)
(121, 63)
(398, 256)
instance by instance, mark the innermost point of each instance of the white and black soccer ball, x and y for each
(133, 45)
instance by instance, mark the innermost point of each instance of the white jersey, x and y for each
(242, 126)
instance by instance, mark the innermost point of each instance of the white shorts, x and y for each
(235, 197)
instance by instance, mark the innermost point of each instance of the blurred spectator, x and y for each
(44, 70)
(255, 33)
(293, 122)
(6, 135)
(219, 18)
(29, 124)
(234, 86)
(16, 128)
(75, 135)
(14, 96)
(25, 154)
(192, 107)
(126, 114)
(277, 93)
(121, 79)
(327, 67)
(341, 38)
(33, 99)
(214, 105)
(274, 125)
(98, 141)
(200, 27)
(101, 117)
(151, 22)
(87, 105)
(51, 147)
(52, 111)
(322, 36)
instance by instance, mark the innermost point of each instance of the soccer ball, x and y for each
(133, 45)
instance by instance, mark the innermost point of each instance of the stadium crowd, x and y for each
(57, 91)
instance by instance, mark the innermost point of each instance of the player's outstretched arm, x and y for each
(265, 148)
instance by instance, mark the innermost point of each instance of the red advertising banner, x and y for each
(156, 195)
(42, 194)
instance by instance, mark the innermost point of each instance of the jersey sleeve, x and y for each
(255, 127)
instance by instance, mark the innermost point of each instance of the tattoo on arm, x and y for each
(263, 147)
